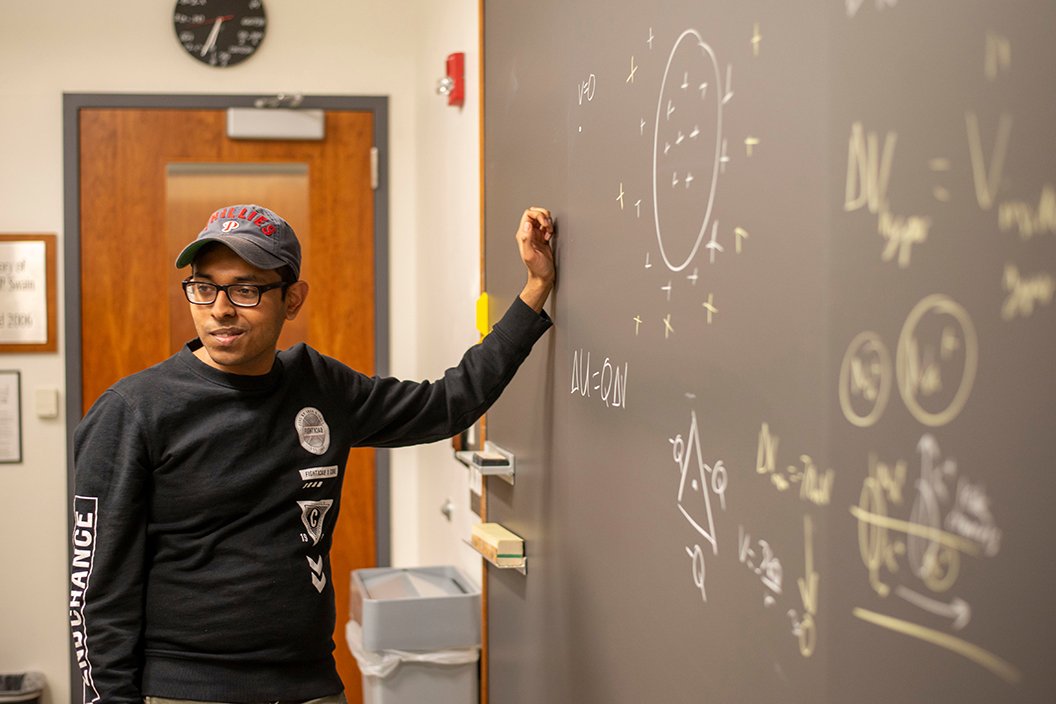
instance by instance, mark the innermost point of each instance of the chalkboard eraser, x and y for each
(489, 458)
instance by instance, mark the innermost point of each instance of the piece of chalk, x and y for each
(495, 541)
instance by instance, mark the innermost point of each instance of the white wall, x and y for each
(351, 47)
(449, 223)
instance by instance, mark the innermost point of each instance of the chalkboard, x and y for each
(793, 436)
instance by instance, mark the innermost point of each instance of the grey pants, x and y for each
(334, 699)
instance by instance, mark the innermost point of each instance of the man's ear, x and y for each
(295, 297)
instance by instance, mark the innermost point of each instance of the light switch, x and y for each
(47, 403)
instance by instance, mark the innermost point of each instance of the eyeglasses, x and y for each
(203, 293)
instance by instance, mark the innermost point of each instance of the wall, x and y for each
(449, 257)
(356, 47)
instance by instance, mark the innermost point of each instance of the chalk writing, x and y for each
(713, 245)
(940, 165)
(803, 625)
(759, 557)
(815, 486)
(608, 384)
(868, 177)
(998, 666)
(1025, 292)
(868, 171)
(950, 517)
(740, 234)
(865, 379)
(1027, 220)
(986, 178)
(709, 306)
(998, 56)
(697, 482)
(936, 360)
(901, 234)
(854, 5)
(587, 88)
(677, 116)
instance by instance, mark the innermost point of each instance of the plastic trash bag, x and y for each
(21, 687)
(383, 663)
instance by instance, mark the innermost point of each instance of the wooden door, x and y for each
(149, 179)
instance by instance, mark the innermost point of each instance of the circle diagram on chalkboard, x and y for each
(687, 138)
(936, 361)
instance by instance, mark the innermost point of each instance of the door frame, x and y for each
(72, 104)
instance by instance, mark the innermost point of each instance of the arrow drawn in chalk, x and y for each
(957, 609)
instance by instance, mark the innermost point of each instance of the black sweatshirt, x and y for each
(205, 503)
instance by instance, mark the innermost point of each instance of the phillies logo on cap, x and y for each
(253, 217)
(229, 226)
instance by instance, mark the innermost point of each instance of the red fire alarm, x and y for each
(453, 85)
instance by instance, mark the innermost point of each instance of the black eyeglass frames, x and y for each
(203, 293)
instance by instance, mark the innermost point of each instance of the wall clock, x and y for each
(220, 33)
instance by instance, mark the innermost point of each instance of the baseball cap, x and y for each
(254, 233)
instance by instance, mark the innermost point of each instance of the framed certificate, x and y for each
(10, 416)
(27, 293)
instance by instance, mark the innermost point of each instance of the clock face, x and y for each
(220, 32)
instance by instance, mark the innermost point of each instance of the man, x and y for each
(201, 566)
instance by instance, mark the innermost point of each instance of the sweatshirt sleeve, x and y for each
(109, 527)
(396, 413)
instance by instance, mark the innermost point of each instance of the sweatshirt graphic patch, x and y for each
(312, 430)
(312, 515)
(85, 519)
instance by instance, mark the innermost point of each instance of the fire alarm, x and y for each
(453, 85)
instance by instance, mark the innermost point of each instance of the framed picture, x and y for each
(10, 416)
(27, 294)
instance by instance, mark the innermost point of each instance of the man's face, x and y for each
(241, 340)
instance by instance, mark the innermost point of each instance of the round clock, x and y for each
(220, 32)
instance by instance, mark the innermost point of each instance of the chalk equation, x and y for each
(585, 91)
(950, 519)
(758, 556)
(606, 382)
(815, 484)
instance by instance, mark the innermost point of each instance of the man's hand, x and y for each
(534, 237)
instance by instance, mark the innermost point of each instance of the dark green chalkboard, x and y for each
(794, 434)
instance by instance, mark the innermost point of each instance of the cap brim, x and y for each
(246, 249)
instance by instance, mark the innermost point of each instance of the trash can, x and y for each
(24, 687)
(415, 634)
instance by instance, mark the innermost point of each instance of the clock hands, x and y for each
(211, 39)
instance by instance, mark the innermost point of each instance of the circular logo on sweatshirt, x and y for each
(312, 430)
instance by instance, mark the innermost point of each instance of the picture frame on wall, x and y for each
(28, 303)
(10, 416)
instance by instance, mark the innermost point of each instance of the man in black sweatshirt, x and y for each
(200, 549)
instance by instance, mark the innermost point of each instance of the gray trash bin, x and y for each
(24, 687)
(416, 635)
